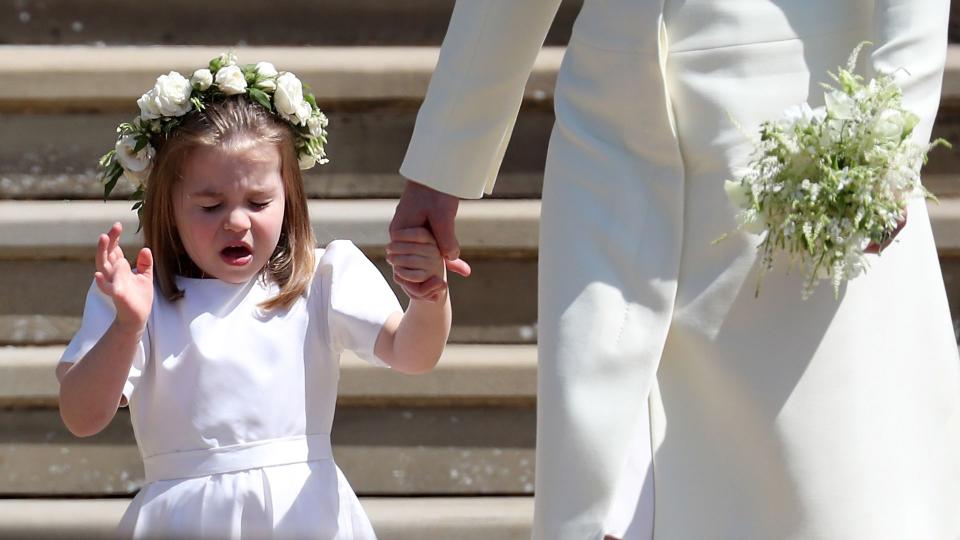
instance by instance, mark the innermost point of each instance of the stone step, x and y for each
(46, 251)
(467, 427)
(46, 262)
(393, 518)
(112, 78)
(222, 22)
(287, 22)
(54, 136)
(60, 118)
(495, 375)
(104, 79)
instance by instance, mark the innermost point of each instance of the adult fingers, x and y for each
(410, 248)
(416, 235)
(444, 231)
(878, 248)
(409, 261)
(458, 266)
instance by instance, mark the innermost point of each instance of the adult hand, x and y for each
(877, 248)
(421, 206)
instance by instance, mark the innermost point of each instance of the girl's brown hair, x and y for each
(236, 120)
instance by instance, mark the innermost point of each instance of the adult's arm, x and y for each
(473, 99)
(910, 38)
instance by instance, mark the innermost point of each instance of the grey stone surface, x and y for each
(252, 22)
(43, 300)
(54, 156)
(382, 450)
(467, 375)
(393, 518)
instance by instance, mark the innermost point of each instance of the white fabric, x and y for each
(232, 407)
(770, 417)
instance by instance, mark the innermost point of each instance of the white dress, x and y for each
(232, 408)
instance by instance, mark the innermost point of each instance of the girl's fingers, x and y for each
(114, 248)
(417, 235)
(103, 284)
(421, 291)
(411, 248)
(101, 257)
(412, 261)
(415, 275)
(145, 263)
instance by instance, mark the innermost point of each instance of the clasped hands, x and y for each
(422, 227)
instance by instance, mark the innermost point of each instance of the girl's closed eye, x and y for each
(260, 205)
(210, 207)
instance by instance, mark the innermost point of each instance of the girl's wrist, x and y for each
(133, 331)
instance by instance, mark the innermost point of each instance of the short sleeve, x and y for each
(357, 299)
(98, 315)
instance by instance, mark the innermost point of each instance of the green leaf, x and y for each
(311, 100)
(142, 143)
(261, 97)
(111, 182)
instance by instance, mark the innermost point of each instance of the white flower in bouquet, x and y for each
(170, 96)
(826, 183)
(317, 124)
(289, 100)
(130, 158)
(231, 81)
(202, 79)
(266, 76)
(306, 161)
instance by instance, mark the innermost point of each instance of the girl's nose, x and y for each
(237, 220)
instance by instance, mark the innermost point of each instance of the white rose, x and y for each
(266, 84)
(288, 99)
(133, 162)
(202, 79)
(267, 75)
(266, 69)
(839, 105)
(139, 177)
(170, 96)
(231, 81)
(306, 161)
(890, 124)
(316, 123)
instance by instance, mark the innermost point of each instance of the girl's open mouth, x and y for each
(236, 255)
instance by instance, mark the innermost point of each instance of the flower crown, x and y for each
(163, 107)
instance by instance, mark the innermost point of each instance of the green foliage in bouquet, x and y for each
(825, 183)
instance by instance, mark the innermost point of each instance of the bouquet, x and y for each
(826, 183)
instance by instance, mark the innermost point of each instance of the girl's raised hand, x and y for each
(132, 292)
(418, 266)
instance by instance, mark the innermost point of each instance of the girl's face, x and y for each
(228, 207)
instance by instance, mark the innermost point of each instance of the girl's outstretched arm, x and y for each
(413, 342)
(91, 389)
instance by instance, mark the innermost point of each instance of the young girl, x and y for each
(225, 339)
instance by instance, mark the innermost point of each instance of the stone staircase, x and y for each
(444, 455)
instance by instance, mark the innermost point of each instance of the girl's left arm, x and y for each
(413, 342)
